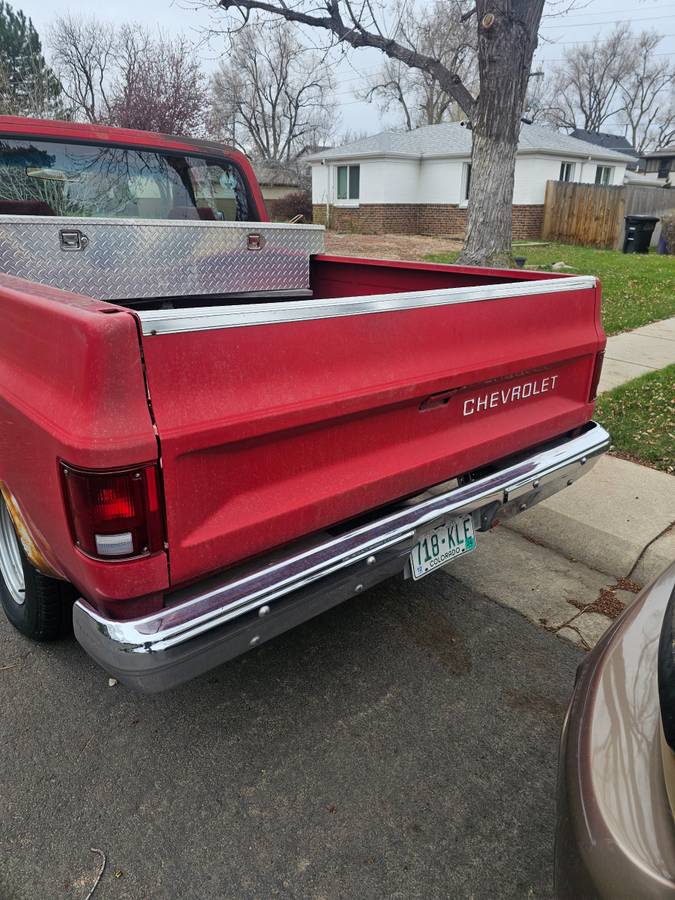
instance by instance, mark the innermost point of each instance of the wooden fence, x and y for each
(593, 215)
(583, 214)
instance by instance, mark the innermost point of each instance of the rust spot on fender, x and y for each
(31, 549)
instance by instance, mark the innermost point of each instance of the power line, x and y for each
(622, 9)
(608, 22)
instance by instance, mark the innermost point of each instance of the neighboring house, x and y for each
(277, 180)
(616, 142)
(660, 163)
(417, 181)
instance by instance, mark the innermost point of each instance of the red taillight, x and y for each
(597, 372)
(114, 514)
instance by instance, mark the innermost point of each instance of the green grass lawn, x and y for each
(636, 288)
(640, 416)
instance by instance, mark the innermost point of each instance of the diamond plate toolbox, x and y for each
(126, 259)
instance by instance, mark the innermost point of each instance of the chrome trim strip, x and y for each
(171, 627)
(161, 321)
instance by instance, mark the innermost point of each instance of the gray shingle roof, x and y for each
(604, 139)
(453, 139)
(664, 151)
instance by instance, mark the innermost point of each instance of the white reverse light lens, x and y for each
(114, 544)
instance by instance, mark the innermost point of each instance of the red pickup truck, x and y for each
(212, 431)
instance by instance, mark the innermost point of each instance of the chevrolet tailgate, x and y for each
(279, 419)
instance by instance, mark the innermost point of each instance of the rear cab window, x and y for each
(52, 178)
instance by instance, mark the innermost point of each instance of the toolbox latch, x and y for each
(72, 239)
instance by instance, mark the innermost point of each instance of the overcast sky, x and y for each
(581, 24)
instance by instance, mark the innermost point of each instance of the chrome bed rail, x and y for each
(173, 321)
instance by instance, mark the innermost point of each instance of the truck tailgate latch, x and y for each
(72, 239)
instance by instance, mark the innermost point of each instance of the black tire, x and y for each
(46, 610)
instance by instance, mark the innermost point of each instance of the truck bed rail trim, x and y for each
(150, 636)
(162, 321)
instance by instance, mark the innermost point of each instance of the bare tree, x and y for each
(83, 53)
(615, 82)
(646, 91)
(585, 87)
(506, 40)
(272, 96)
(127, 76)
(442, 31)
(664, 133)
(159, 84)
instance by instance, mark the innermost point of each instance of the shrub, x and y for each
(668, 230)
(286, 208)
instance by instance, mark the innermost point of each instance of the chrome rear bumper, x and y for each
(223, 619)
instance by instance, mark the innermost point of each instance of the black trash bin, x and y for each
(639, 231)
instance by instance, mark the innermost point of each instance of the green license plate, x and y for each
(441, 544)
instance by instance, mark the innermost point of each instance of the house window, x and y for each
(566, 171)
(348, 182)
(663, 170)
(603, 174)
(466, 181)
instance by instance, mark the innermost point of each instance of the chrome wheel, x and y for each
(10, 558)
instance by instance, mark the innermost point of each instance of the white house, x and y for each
(417, 181)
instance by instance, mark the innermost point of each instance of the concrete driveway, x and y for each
(401, 746)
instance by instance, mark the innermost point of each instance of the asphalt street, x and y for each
(402, 745)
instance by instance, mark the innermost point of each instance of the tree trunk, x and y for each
(507, 39)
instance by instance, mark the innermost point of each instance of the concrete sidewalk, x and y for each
(573, 563)
(635, 353)
(617, 520)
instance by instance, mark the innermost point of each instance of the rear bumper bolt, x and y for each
(358, 588)
(370, 561)
(263, 611)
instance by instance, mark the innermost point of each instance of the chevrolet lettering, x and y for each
(510, 394)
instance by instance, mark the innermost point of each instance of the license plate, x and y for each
(441, 544)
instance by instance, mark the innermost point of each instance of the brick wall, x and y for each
(421, 218)
(527, 222)
(371, 218)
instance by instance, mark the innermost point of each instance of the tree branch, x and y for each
(356, 35)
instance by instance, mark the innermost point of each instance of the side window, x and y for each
(348, 182)
(566, 171)
(466, 181)
(603, 175)
(218, 191)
